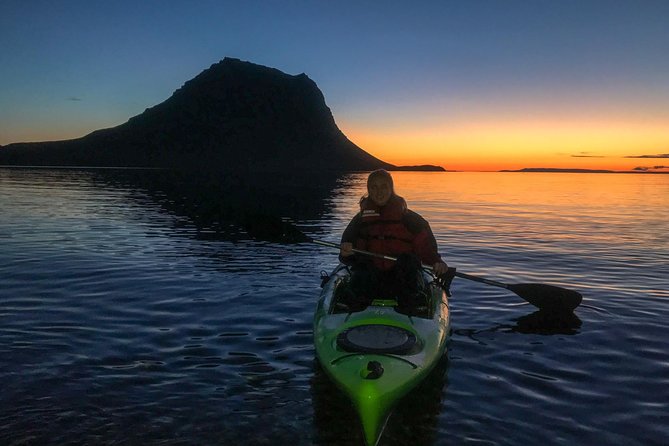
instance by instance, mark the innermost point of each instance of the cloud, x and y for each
(587, 155)
(660, 155)
(74, 99)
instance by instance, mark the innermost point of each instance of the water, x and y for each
(136, 309)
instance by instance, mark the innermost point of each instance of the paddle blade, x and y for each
(548, 297)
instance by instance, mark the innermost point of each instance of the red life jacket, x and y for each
(383, 230)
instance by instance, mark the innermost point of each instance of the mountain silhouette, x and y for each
(233, 115)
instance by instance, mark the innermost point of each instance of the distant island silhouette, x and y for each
(233, 115)
(561, 170)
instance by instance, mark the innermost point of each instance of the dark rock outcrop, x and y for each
(234, 115)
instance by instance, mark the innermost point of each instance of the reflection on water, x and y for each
(548, 323)
(136, 309)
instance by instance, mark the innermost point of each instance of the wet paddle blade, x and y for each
(548, 297)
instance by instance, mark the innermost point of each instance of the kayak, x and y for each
(377, 355)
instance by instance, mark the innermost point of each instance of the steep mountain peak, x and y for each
(233, 115)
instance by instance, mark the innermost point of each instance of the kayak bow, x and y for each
(377, 355)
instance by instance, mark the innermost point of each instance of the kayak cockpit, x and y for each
(343, 294)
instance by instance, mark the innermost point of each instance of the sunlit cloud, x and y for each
(587, 155)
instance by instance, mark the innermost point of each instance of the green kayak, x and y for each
(377, 355)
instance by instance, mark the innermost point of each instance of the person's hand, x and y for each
(439, 268)
(346, 249)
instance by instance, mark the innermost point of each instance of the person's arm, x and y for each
(346, 254)
(424, 243)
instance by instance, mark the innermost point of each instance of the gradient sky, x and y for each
(468, 84)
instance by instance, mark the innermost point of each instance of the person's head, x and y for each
(380, 187)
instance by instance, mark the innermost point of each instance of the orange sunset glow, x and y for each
(565, 85)
(516, 145)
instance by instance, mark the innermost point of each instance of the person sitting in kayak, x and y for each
(386, 226)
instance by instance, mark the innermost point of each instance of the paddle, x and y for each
(542, 296)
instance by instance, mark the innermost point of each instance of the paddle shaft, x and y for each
(394, 259)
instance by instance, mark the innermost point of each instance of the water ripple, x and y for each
(125, 319)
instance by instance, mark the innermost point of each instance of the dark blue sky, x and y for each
(413, 72)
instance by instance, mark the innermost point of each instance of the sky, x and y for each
(465, 84)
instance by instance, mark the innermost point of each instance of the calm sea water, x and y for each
(135, 309)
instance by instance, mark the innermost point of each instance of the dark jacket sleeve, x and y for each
(424, 243)
(350, 235)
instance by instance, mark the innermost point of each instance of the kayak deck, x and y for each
(377, 355)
